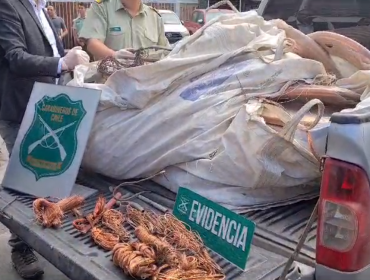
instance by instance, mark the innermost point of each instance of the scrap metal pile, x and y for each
(163, 248)
(341, 57)
(140, 57)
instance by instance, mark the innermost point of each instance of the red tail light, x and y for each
(343, 241)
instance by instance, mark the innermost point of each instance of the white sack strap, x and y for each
(290, 127)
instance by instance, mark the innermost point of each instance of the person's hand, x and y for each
(81, 42)
(74, 57)
(123, 54)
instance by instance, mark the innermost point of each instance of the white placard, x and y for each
(51, 141)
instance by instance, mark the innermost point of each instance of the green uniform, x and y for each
(77, 24)
(109, 22)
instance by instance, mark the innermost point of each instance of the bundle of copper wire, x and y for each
(106, 225)
(104, 238)
(111, 232)
(179, 253)
(194, 274)
(145, 249)
(145, 219)
(178, 235)
(113, 220)
(93, 218)
(184, 239)
(133, 262)
(50, 214)
(165, 253)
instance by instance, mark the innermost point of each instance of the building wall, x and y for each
(68, 11)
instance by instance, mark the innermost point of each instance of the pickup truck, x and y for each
(201, 16)
(337, 246)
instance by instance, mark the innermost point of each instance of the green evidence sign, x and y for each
(223, 231)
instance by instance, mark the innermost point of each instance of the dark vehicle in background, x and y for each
(350, 18)
(202, 16)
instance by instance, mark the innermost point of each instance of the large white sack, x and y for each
(189, 114)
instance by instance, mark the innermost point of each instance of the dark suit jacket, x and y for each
(25, 57)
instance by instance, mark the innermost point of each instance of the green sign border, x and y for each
(212, 241)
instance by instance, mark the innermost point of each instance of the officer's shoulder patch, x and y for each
(155, 10)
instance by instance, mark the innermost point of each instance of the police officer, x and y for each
(113, 26)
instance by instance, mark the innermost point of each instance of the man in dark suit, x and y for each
(30, 51)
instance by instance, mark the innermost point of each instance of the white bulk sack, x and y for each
(191, 114)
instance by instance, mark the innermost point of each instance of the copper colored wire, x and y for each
(93, 218)
(194, 274)
(114, 220)
(106, 225)
(133, 262)
(178, 235)
(50, 214)
(80, 224)
(184, 239)
(142, 218)
(165, 253)
(145, 249)
(104, 238)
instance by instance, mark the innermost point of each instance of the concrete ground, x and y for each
(6, 268)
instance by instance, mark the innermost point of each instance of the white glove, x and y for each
(123, 54)
(74, 57)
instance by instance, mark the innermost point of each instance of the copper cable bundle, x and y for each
(145, 249)
(106, 225)
(145, 219)
(104, 238)
(177, 249)
(113, 220)
(95, 217)
(183, 239)
(50, 214)
(178, 235)
(195, 274)
(165, 253)
(133, 262)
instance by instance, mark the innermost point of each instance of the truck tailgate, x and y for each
(80, 259)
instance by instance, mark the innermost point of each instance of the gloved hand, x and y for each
(123, 54)
(74, 57)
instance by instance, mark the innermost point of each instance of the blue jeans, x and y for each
(9, 132)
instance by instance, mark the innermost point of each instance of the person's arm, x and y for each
(13, 42)
(94, 31)
(98, 49)
(75, 36)
(64, 29)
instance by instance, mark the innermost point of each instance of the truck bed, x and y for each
(79, 258)
(277, 229)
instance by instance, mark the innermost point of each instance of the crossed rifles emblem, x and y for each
(51, 133)
(183, 205)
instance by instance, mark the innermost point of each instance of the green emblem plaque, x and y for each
(50, 144)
